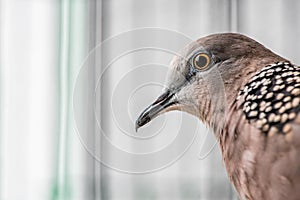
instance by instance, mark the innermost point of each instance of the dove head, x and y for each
(205, 77)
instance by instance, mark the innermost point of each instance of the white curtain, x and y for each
(75, 74)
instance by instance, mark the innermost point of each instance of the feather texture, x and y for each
(250, 97)
(261, 141)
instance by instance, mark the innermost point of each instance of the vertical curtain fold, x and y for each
(82, 25)
(61, 188)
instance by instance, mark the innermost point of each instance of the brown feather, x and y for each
(250, 97)
(262, 165)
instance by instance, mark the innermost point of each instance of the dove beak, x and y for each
(159, 106)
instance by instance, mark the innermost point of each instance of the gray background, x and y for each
(48, 150)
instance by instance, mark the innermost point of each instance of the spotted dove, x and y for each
(249, 96)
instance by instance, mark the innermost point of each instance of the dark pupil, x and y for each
(201, 61)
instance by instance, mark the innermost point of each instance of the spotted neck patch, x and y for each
(272, 97)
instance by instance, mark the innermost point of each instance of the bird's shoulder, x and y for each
(270, 100)
(266, 136)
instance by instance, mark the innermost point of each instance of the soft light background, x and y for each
(43, 44)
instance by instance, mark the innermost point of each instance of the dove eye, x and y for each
(201, 61)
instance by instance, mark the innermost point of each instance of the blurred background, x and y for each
(75, 74)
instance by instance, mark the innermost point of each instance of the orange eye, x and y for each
(201, 61)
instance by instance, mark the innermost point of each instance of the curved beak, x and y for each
(162, 102)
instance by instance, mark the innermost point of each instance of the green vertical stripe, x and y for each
(61, 187)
